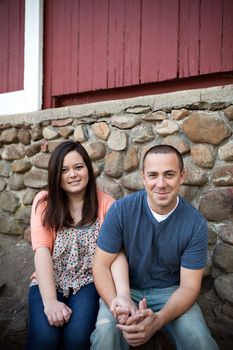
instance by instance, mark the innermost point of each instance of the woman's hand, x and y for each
(122, 308)
(57, 313)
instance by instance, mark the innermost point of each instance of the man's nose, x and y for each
(161, 181)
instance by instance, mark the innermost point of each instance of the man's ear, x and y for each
(182, 176)
(143, 177)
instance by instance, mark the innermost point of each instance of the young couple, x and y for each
(148, 264)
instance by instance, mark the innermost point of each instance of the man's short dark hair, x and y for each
(162, 149)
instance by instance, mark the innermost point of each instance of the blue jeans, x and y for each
(74, 335)
(188, 331)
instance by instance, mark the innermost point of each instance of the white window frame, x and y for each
(30, 98)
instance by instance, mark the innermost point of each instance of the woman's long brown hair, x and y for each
(56, 214)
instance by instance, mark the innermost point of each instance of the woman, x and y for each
(65, 221)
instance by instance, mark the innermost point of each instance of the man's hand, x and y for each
(122, 308)
(141, 326)
(57, 313)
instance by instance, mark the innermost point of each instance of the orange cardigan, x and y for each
(44, 237)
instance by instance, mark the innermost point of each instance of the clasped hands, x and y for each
(57, 313)
(138, 324)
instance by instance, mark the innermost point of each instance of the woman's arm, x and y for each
(56, 312)
(122, 306)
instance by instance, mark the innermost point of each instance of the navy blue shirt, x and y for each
(155, 251)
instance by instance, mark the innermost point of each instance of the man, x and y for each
(165, 240)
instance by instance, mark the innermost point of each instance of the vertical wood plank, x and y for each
(116, 43)
(4, 45)
(12, 14)
(132, 42)
(159, 47)
(189, 36)
(86, 37)
(227, 43)
(100, 40)
(211, 36)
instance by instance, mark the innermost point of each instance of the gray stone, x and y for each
(229, 112)
(24, 136)
(12, 152)
(49, 133)
(66, 131)
(117, 140)
(138, 109)
(101, 130)
(36, 132)
(8, 201)
(109, 186)
(223, 257)
(156, 116)
(36, 178)
(130, 161)
(167, 127)
(194, 175)
(16, 182)
(179, 142)
(223, 175)
(216, 204)
(189, 192)
(9, 225)
(225, 232)
(125, 121)
(21, 166)
(41, 160)
(206, 128)
(53, 144)
(113, 164)
(2, 185)
(203, 155)
(28, 195)
(142, 133)
(178, 114)
(224, 286)
(96, 150)
(132, 182)
(23, 214)
(62, 122)
(5, 168)
(80, 133)
(8, 136)
(30, 150)
(225, 152)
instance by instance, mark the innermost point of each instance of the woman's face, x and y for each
(74, 174)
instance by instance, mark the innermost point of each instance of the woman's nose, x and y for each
(71, 173)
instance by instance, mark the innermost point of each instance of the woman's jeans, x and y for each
(74, 335)
(188, 331)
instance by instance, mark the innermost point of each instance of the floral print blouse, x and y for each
(72, 257)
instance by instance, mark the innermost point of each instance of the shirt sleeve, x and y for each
(40, 235)
(110, 236)
(195, 254)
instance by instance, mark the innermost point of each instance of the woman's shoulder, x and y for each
(39, 196)
(103, 196)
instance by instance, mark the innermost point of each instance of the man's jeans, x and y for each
(75, 334)
(188, 331)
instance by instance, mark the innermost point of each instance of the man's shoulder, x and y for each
(189, 209)
(131, 198)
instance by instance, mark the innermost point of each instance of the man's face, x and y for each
(162, 179)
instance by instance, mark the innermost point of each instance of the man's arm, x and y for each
(179, 302)
(102, 275)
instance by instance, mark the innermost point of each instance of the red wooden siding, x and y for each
(11, 45)
(94, 45)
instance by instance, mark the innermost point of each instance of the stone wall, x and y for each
(198, 123)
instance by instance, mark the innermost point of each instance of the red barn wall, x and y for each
(11, 45)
